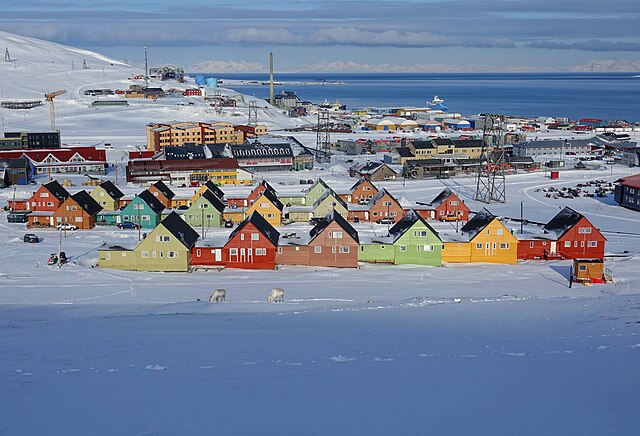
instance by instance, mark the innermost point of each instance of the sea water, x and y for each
(610, 96)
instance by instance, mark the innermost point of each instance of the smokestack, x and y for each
(271, 100)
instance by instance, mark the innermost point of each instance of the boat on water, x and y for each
(438, 104)
(335, 106)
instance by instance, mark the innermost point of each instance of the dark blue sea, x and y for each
(610, 96)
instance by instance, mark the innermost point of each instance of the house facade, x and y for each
(79, 209)
(144, 209)
(252, 245)
(206, 211)
(107, 195)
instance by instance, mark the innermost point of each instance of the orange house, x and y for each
(448, 207)
(360, 193)
(162, 193)
(382, 206)
(47, 198)
(80, 210)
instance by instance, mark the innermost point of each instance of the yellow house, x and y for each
(235, 214)
(483, 239)
(269, 206)
(209, 185)
(107, 195)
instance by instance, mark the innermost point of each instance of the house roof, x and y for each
(112, 190)
(331, 193)
(214, 200)
(86, 202)
(151, 200)
(630, 181)
(442, 196)
(215, 189)
(57, 190)
(464, 143)
(360, 182)
(404, 151)
(406, 222)
(180, 229)
(261, 224)
(422, 144)
(160, 186)
(271, 196)
(324, 223)
(381, 194)
(476, 224)
(319, 181)
(563, 222)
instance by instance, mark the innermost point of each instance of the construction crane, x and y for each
(49, 97)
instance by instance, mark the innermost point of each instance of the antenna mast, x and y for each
(253, 113)
(323, 137)
(271, 99)
(491, 175)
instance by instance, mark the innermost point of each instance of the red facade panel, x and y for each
(250, 249)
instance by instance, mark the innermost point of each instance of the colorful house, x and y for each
(252, 197)
(208, 186)
(80, 209)
(361, 192)
(167, 248)
(107, 195)
(333, 242)
(568, 235)
(383, 205)
(206, 211)
(144, 209)
(48, 197)
(252, 245)
(318, 210)
(447, 206)
(269, 206)
(410, 241)
(162, 193)
(482, 239)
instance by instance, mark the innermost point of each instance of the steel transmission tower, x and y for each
(323, 138)
(490, 185)
(253, 113)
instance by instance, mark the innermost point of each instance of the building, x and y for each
(269, 206)
(483, 239)
(167, 248)
(361, 192)
(79, 209)
(208, 186)
(162, 193)
(32, 140)
(374, 171)
(180, 133)
(552, 149)
(262, 157)
(627, 193)
(205, 211)
(82, 160)
(145, 210)
(107, 195)
(410, 241)
(447, 206)
(48, 197)
(223, 171)
(568, 235)
(15, 172)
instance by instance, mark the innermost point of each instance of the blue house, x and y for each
(144, 209)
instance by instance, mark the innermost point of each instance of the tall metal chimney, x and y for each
(146, 69)
(271, 99)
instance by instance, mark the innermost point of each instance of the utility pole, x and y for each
(253, 113)
(490, 184)
(146, 68)
(271, 98)
(323, 137)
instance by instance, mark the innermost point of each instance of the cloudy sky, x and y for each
(345, 35)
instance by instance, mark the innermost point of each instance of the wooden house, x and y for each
(107, 195)
(361, 192)
(79, 209)
(167, 248)
(48, 197)
(588, 271)
(145, 209)
(374, 171)
(205, 212)
(482, 239)
(382, 206)
(252, 245)
(333, 242)
(252, 197)
(568, 235)
(269, 206)
(162, 193)
(410, 241)
(447, 206)
(208, 186)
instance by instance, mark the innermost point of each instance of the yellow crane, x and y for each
(49, 97)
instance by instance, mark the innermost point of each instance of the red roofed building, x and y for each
(62, 160)
(627, 192)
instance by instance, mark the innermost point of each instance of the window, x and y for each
(198, 252)
(261, 251)
(362, 248)
(124, 254)
(479, 246)
(335, 235)
(344, 250)
(233, 251)
(403, 248)
(582, 243)
(575, 243)
(270, 215)
(488, 231)
(242, 236)
(153, 254)
(499, 232)
(172, 254)
(279, 250)
(582, 267)
(264, 205)
(567, 244)
(108, 255)
(161, 254)
(333, 249)
(317, 249)
(382, 247)
(255, 236)
(144, 254)
(504, 246)
(417, 248)
(584, 230)
(592, 243)
(531, 244)
(78, 219)
(453, 203)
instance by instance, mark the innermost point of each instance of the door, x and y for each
(487, 249)
(553, 247)
(493, 249)
(249, 255)
(243, 254)
(218, 254)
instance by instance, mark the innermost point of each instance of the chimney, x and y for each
(271, 100)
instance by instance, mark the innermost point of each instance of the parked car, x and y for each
(128, 225)
(66, 226)
(228, 224)
(30, 238)
(386, 221)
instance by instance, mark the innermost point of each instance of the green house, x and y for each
(167, 248)
(328, 202)
(205, 211)
(317, 190)
(144, 209)
(411, 241)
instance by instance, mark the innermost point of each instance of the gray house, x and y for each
(552, 149)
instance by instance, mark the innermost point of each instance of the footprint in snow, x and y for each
(423, 355)
(467, 356)
(155, 367)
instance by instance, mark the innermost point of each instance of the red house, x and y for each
(448, 207)
(47, 198)
(382, 206)
(360, 193)
(569, 235)
(253, 196)
(252, 245)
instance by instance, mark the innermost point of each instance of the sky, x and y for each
(345, 35)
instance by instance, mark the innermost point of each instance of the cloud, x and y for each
(611, 66)
(230, 66)
(354, 67)
(261, 36)
(590, 45)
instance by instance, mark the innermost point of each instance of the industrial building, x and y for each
(14, 140)
(553, 149)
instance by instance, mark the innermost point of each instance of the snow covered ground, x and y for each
(376, 350)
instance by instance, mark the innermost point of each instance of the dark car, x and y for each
(128, 225)
(386, 221)
(30, 238)
(228, 224)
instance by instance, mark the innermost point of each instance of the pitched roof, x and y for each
(151, 200)
(319, 181)
(332, 194)
(268, 187)
(271, 196)
(381, 194)
(160, 186)
(406, 222)
(214, 200)
(215, 189)
(324, 223)
(57, 190)
(476, 224)
(112, 190)
(360, 182)
(261, 224)
(180, 229)
(563, 222)
(422, 144)
(446, 192)
(630, 181)
(86, 202)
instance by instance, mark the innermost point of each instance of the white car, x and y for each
(66, 226)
